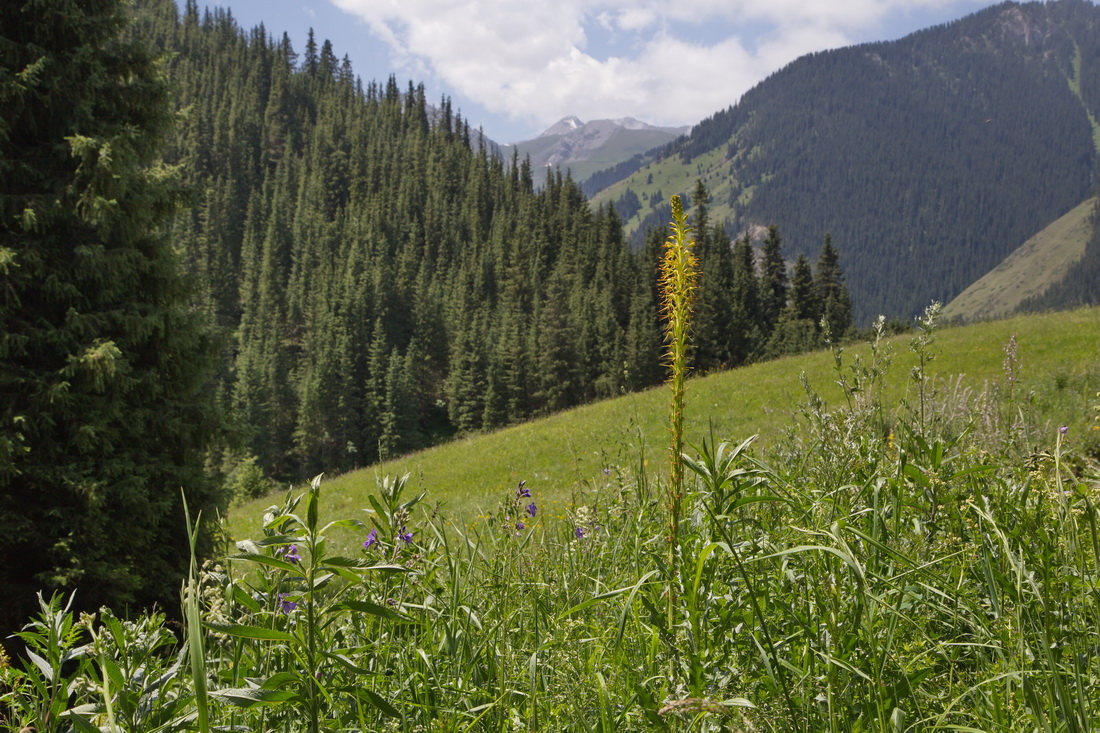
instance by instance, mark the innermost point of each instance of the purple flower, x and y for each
(522, 491)
(580, 533)
(532, 509)
(1064, 429)
(286, 606)
(405, 535)
(520, 525)
(291, 554)
(607, 472)
(372, 539)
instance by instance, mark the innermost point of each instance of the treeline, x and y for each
(383, 281)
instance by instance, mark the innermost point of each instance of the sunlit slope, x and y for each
(567, 452)
(1037, 264)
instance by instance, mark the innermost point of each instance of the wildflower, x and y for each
(291, 554)
(522, 492)
(405, 535)
(372, 539)
(520, 525)
(532, 509)
(1064, 429)
(606, 472)
(286, 606)
(579, 531)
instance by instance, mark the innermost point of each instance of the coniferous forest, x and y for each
(239, 258)
(342, 273)
(930, 158)
(382, 281)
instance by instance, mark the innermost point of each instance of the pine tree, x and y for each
(104, 408)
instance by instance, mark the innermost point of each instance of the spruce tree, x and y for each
(803, 298)
(832, 294)
(745, 306)
(104, 411)
(773, 276)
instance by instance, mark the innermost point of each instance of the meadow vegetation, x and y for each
(911, 543)
(914, 552)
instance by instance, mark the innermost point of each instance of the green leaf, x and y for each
(353, 523)
(273, 562)
(242, 597)
(602, 596)
(280, 679)
(379, 702)
(248, 697)
(378, 509)
(252, 632)
(79, 724)
(42, 664)
(279, 539)
(343, 562)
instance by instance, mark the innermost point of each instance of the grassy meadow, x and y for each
(566, 453)
(910, 544)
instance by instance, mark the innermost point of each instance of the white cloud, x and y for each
(534, 60)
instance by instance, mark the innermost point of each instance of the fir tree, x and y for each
(773, 279)
(104, 408)
(803, 296)
(745, 308)
(832, 295)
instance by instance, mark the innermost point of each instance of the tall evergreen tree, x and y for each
(104, 410)
(803, 296)
(773, 279)
(831, 292)
(745, 307)
(796, 330)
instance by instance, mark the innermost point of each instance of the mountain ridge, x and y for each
(585, 147)
(929, 158)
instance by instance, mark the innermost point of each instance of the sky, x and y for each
(514, 67)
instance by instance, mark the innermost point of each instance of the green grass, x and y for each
(1029, 271)
(565, 453)
(922, 554)
(672, 176)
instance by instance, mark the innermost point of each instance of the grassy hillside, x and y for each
(925, 569)
(656, 183)
(1037, 264)
(567, 452)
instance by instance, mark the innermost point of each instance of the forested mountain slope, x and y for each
(1035, 270)
(930, 158)
(382, 281)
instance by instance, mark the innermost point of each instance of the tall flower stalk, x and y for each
(679, 273)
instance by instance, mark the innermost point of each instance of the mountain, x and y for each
(929, 159)
(584, 148)
(1033, 269)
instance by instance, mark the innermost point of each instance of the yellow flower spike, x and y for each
(677, 283)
